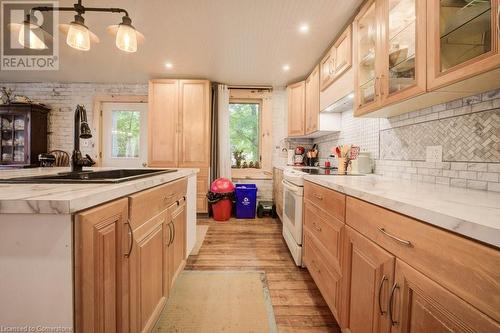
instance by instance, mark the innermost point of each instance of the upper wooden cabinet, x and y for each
(194, 107)
(389, 53)
(395, 71)
(337, 60)
(179, 123)
(296, 108)
(312, 101)
(463, 39)
(163, 118)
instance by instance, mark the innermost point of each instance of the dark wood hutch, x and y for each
(23, 130)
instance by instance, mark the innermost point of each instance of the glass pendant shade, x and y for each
(78, 37)
(33, 42)
(126, 38)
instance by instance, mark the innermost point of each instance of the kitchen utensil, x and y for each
(354, 152)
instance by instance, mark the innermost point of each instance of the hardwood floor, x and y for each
(258, 245)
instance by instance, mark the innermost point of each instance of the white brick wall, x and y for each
(63, 98)
(478, 173)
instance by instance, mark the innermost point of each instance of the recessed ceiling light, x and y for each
(169, 65)
(304, 28)
(286, 68)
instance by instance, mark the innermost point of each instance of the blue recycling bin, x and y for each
(246, 200)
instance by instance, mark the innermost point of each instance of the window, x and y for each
(244, 133)
(125, 134)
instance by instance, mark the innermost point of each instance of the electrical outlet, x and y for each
(434, 154)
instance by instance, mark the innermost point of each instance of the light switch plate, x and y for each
(434, 154)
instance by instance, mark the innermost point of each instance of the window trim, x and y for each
(251, 101)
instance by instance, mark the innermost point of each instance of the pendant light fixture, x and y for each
(126, 37)
(78, 35)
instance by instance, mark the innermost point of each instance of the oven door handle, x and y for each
(290, 187)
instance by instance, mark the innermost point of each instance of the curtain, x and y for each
(214, 151)
(224, 147)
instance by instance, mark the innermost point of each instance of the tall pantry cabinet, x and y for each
(179, 128)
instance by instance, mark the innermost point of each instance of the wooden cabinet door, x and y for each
(370, 273)
(167, 239)
(177, 252)
(420, 305)
(296, 109)
(327, 68)
(100, 267)
(403, 49)
(367, 58)
(146, 274)
(312, 101)
(343, 52)
(463, 40)
(163, 120)
(194, 105)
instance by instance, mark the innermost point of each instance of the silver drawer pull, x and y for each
(399, 240)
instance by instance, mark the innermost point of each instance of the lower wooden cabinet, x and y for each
(420, 305)
(124, 270)
(146, 274)
(176, 246)
(435, 282)
(99, 268)
(370, 274)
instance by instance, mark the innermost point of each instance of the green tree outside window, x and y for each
(244, 133)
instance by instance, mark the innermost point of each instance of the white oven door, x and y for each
(292, 210)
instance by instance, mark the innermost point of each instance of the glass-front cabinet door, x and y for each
(463, 39)
(403, 73)
(12, 149)
(367, 58)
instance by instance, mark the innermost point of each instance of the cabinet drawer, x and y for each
(467, 268)
(328, 231)
(146, 204)
(328, 282)
(328, 200)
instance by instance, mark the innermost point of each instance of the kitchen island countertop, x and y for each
(70, 198)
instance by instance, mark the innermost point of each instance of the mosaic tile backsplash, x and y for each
(468, 130)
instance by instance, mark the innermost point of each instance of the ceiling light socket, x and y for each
(286, 68)
(169, 65)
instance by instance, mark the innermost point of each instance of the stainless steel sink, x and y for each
(105, 176)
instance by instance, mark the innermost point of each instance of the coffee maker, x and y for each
(299, 158)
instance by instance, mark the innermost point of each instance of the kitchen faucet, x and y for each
(81, 131)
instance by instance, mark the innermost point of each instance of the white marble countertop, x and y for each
(472, 213)
(69, 198)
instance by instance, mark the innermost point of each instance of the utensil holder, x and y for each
(342, 167)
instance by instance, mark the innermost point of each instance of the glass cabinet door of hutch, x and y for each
(12, 148)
